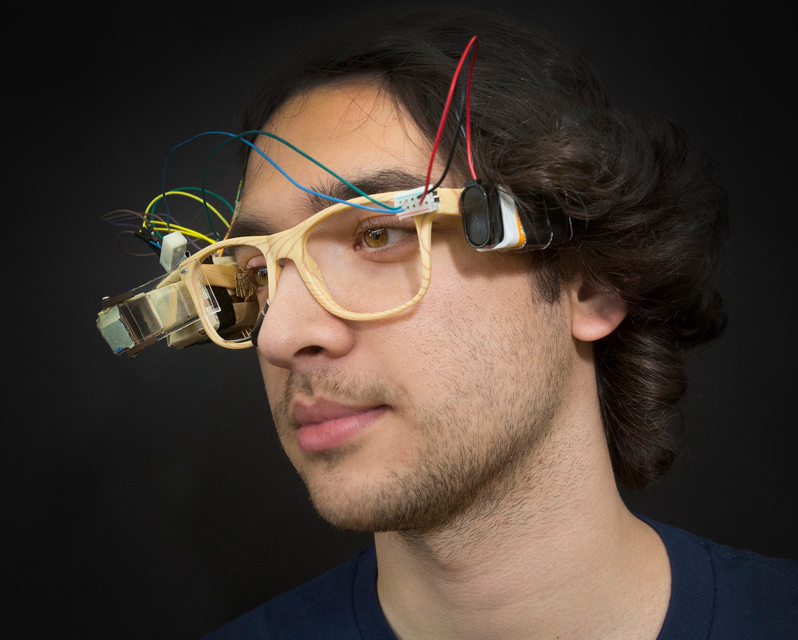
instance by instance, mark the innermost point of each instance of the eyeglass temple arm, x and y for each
(449, 202)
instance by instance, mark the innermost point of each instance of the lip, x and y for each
(327, 425)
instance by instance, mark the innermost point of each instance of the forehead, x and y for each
(355, 129)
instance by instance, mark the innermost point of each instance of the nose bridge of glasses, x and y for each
(284, 250)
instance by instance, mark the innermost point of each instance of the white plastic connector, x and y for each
(173, 250)
(411, 204)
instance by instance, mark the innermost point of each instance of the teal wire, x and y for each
(317, 163)
(300, 152)
(215, 195)
(383, 206)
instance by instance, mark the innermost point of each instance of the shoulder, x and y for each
(753, 590)
(732, 593)
(322, 607)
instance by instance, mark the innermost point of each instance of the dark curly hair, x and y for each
(650, 218)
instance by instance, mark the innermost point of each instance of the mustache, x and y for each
(339, 387)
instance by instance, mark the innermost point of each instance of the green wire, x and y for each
(229, 206)
(299, 151)
(215, 195)
(317, 163)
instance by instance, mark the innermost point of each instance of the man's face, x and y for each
(405, 422)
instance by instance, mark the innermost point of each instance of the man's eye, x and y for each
(259, 276)
(383, 236)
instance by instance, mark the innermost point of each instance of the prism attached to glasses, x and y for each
(178, 306)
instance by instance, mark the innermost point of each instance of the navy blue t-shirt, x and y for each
(717, 593)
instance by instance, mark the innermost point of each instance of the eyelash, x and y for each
(374, 224)
(245, 278)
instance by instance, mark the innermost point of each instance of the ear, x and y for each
(595, 310)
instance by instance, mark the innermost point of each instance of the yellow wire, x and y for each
(185, 231)
(188, 195)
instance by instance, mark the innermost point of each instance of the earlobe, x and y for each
(595, 310)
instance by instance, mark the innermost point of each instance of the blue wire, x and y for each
(316, 193)
(166, 162)
(273, 163)
(305, 155)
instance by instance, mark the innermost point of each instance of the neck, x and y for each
(547, 555)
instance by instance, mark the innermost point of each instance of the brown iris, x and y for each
(259, 276)
(375, 238)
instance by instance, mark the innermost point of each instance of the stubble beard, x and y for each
(479, 442)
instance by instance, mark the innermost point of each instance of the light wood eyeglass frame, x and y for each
(291, 244)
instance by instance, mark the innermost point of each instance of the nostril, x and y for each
(309, 351)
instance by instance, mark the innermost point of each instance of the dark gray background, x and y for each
(149, 497)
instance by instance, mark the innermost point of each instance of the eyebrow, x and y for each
(384, 181)
(252, 223)
(249, 223)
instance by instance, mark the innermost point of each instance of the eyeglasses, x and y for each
(358, 264)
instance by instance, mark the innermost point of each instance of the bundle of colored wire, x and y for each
(151, 225)
(474, 42)
(459, 130)
(240, 136)
(123, 218)
(182, 192)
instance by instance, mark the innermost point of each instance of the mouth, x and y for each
(327, 425)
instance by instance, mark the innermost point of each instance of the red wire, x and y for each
(468, 112)
(474, 41)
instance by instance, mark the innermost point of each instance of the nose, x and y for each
(296, 327)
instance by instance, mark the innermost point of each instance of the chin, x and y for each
(370, 501)
(370, 518)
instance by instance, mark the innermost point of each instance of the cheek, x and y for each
(480, 294)
(274, 379)
(442, 343)
(460, 272)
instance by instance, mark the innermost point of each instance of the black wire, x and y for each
(462, 85)
(139, 236)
